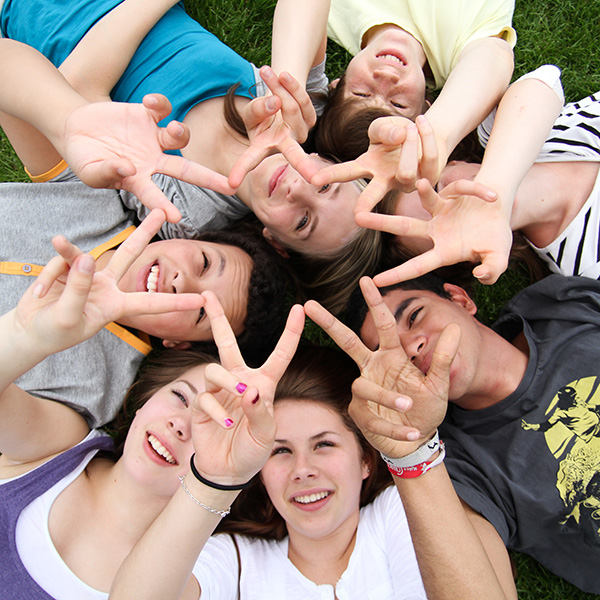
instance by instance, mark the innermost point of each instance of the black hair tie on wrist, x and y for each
(212, 484)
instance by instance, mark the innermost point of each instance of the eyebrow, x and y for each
(222, 264)
(402, 307)
(190, 385)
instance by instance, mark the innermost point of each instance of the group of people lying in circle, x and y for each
(148, 277)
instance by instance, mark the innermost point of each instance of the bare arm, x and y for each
(472, 90)
(114, 38)
(460, 554)
(299, 37)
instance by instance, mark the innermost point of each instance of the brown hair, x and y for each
(316, 374)
(157, 370)
(341, 131)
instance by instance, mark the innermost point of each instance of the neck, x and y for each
(324, 560)
(502, 370)
(130, 509)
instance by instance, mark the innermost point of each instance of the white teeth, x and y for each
(311, 498)
(160, 449)
(152, 283)
(391, 57)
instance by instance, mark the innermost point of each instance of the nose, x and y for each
(299, 191)
(413, 344)
(180, 427)
(304, 468)
(182, 283)
(385, 77)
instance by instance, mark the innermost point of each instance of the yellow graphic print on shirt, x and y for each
(572, 432)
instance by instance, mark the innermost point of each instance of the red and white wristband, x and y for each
(419, 461)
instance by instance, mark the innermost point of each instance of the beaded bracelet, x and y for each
(216, 511)
(212, 484)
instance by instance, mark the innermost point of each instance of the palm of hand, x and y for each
(115, 133)
(465, 228)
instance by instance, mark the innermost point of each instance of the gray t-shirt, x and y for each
(93, 376)
(530, 464)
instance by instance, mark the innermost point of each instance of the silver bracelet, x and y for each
(216, 511)
(420, 455)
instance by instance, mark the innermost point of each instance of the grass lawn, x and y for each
(563, 32)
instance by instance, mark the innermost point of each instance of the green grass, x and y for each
(563, 32)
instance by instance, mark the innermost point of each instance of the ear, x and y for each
(173, 345)
(460, 297)
(334, 83)
(366, 469)
(275, 243)
(426, 106)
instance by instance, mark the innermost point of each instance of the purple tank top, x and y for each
(15, 581)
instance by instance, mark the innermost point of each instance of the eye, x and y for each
(324, 188)
(360, 94)
(413, 316)
(206, 264)
(181, 396)
(396, 104)
(324, 444)
(281, 450)
(201, 315)
(303, 222)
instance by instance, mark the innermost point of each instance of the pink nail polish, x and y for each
(241, 387)
(228, 422)
(255, 399)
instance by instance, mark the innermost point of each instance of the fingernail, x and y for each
(270, 104)
(37, 290)
(241, 387)
(402, 403)
(151, 100)
(413, 436)
(85, 264)
(286, 77)
(228, 422)
(122, 172)
(255, 399)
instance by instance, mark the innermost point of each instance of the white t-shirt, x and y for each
(382, 565)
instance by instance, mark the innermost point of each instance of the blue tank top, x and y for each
(178, 57)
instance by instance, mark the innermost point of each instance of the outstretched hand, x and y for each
(468, 224)
(400, 152)
(393, 403)
(233, 423)
(277, 123)
(69, 301)
(115, 145)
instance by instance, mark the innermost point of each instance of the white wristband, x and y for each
(420, 455)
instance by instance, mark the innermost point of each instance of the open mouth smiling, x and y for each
(160, 450)
(310, 498)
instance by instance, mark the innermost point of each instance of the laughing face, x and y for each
(388, 73)
(315, 473)
(159, 443)
(298, 214)
(183, 266)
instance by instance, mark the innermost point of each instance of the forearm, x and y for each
(299, 37)
(180, 532)
(473, 89)
(523, 120)
(452, 559)
(114, 38)
(20, 96)
(18, 353)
